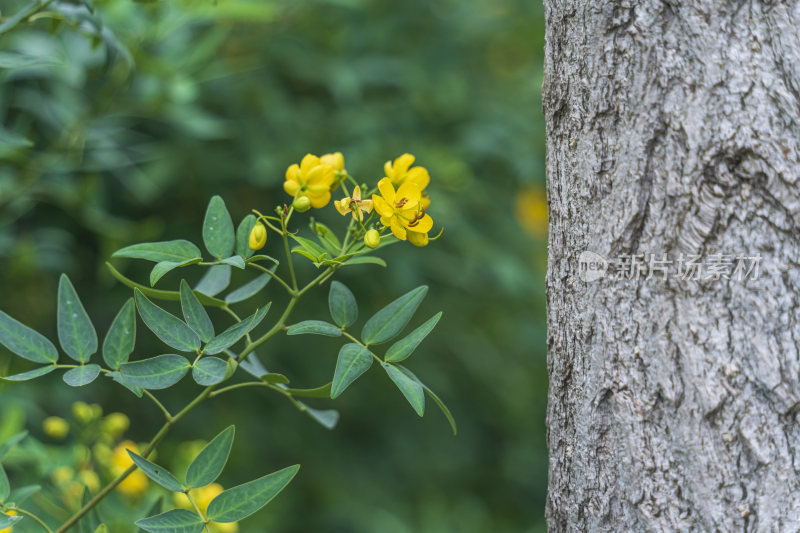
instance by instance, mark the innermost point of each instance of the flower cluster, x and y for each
(399, 201)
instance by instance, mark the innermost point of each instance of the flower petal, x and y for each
(401, 165)
(321, 175)
(398, 230)
(387, 168)
(419, 176)
(309, 161)
(291, 187)
(293, 172)
(422, 225)
(387, 190)
(410, 192)
(343, 206)
(418, 239)
(386, 221)
(382, 207)
(320, 200)
(335, 160)
(365, 205)
(357, 194)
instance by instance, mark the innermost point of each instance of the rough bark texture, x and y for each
(674, 127)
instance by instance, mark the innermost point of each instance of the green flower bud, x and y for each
(372, 238)
(301, 204)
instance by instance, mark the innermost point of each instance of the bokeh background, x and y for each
(119, 123)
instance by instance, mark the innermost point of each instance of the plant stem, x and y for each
(238, 386)
(160, 405)
(355, 340)
(288, 255)
(273, 275)
(34, 518)
(149, 450)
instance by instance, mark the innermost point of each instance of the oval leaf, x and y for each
(8, 520)
(176, 251)
(208, 465)
(342, 304)
(195, 314)
(327, 418)
(231, 336)
(411, 388)
(353, 361)
(31, 374)
(158, 294)
(314, 327)
(249, 289)
(209, 371)
(156, 373)
(240, 502)
(75, 331)
(171, 330)
(121, 337)
(406, 346)
(82, 375)
(117, 376)
(165, 267)
(215, 280)
(5, 488)
(175, 521)
(243, 236)
(25, 342)
(156, 473)
(218, 234)
(391, 320)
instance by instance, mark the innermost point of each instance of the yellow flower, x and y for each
(258, 236)
(136, 483)
(401, 210)
(90, 480)
(202, 497)
(372, 238)
(354, 204)
(115, 424)
(335, 160)
(311, 178)
(9, 529)
(55, 427)
(62, 475)
(401, 172)
(83, 412)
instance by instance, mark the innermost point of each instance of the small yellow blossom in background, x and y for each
(9, 529)
(372, 238)
(531, 211)
(202, 497)
(401, 211)
(55, 427)
(62, 475)
(85, 413)
(90, 480)
(258, 236)
(354, 204)
(102, 453)
(135, 484)
(401, 172)
(115, 424)
(311, 178)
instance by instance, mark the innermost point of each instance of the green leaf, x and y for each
(231, 336)
(365, 260)
(310, 247)
(218, 234)
(327, 238)
(443, 408)
(159, 372)
(391, 320)
(195, 314)
(214, 281)
(31, 374)
(233, 260)
(117, 376)
(342, 304)
(314, 327)
(25, 342)
(102, 528)
(412, 389)
(403, 348)
(164, 267)
(156, 473)
(327, 418)
(274, 379)
(318, 392)
(12, 139)
(175, 521)
(171, 330)
(18, 496)
(8, 520)
(156, 294)
(262, 257)
(240, 502)
(16, 60)
(121, 337)
(177, 251)
(243, 236)
(5, 488)
(81, 375)
(353, 361)
(10, 443)
(249, 289)
(17, 17)
(208, 465)
(75, 331)
(209, 371)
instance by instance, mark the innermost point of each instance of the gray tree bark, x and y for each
(673, 127)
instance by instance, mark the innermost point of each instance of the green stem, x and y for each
(197, 509)
(289, 256)
(362, 344)
(239, 386)
(34, 518)
(273, 275)
(149, 450)
(160, 405)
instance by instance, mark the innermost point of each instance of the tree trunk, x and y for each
(673, 127)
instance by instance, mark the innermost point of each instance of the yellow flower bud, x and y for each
(301, 204)
(372, 238)
(55, 427)
(62, 474)
(115, 424)
(258, 236)
(83, 412)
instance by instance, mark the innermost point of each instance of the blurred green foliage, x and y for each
(118, 124)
